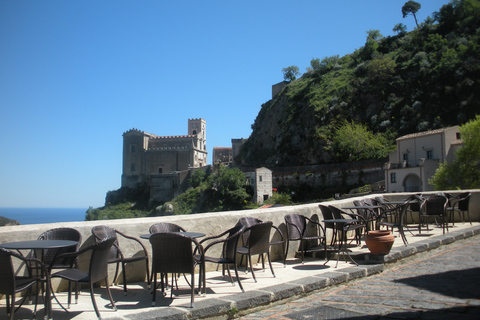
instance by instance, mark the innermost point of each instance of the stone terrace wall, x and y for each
(208, 223)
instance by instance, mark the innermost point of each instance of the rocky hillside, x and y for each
(414, 81)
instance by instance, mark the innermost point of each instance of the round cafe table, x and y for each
(193, 235)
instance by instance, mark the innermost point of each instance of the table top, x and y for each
(186, 233)
(340, 220)
(38, 244)
(363, 207)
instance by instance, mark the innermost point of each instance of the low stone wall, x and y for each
(208, 223)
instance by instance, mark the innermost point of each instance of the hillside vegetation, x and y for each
(353, 107)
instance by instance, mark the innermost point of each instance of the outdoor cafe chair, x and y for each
(11, 284)
(397, 216)
(297, 230)
(257, 242)
(250, 221)
(116, 254)
(328, 215)
(434, 206)
(460, 205)
(357, 226)
(228, 240)
(97, 271)
(174, 253)
(165, 227)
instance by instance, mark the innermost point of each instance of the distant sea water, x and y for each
(43, 215)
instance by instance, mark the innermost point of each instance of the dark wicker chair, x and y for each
(434, 206)
(228, 254)
(358, 226)
(174, 253)
(397, 216)
(250, 221)
(11, 284)
(97, 270)
(297, 231)
(257, 242)
(165, 227)
(49, 255)
(116, 255)
(460, 205)
(327, 215)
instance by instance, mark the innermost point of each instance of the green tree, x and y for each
(400, 28)
(411, 7)
(464, 171)
(290, 73)
(352, 142)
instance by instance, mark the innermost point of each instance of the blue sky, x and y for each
(75, 75)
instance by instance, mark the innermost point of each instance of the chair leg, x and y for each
(193, 289)
(238, 278)
(124, 279)
(92, 296)
(270, 263)
(148, 274)
(154, 293)
(110, 294)
(251, 267)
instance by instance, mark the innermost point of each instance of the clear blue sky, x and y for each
(75, 75)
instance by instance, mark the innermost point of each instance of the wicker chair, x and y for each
(228, 256)
(434, 206)
(328, 215)
(174, 253)
(10, 284)
(165, 227)
(49, 255)
(97, 271)
(460, 205)
(116, 255)
(250, 221)
(297, 231)
(257, 242)
(357, 226)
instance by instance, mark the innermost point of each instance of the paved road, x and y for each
(444, 284)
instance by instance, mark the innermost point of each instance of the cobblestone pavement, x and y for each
(444, 284)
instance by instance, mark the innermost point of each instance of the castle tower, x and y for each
(197, 127)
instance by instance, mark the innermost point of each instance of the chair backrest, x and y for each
(463, 204)
(435, 205)
(60, 234)
(7, 280)
(337, 213)
(247, 222)
(259, 237)
(327, 215)
(296, 226)
(99, 258)
(172, 253)
(165, 227)
(231, 243)
(102, 233)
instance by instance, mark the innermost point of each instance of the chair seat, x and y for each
(72, 275)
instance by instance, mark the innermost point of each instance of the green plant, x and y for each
(232, 312)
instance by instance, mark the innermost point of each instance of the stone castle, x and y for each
(146, 155)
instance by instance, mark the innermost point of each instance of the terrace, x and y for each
(290, 282)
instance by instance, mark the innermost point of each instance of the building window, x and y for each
(458, 136)
(132, 167)
(393, 177)
(132, 148)
(160, 170)
(260, 178)
(429, 154)
(405, 157)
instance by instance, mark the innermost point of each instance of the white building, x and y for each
(418, 156)
(261, 182)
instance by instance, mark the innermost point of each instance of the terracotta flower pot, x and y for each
(379, 242)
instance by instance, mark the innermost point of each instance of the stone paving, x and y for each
(444, 284)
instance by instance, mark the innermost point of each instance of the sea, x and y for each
(43, 215)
